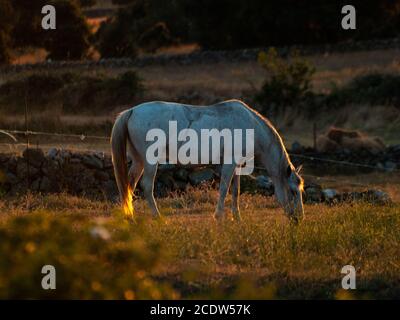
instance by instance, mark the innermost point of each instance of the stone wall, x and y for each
(204, 56)
(91, 175)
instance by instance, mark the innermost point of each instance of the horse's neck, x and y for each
(272, 153)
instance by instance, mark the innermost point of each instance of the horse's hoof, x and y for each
(159, 218)
(131, 220)
(237, 218)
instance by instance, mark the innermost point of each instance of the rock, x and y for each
(181, 174)
(108, 163)
(180, 185)
(41, 184)
(52, 153)
(35, 185)
(22, 169)
(390, 166)
(92, 161)
(265, 184)
(65, 154)
(199, 176)
(396, 148)
(297, 147)
(166, 166)
(379, 197)
(35, 157)
(45, 184)
(75, 160)
(101, 175)
(329, 194)
(11, 178)
(12, 164)
(313, 193)
(372, 196)
(166, 179)
(99, 232)
(111, 190)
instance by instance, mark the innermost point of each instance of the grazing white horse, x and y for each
(129, 135)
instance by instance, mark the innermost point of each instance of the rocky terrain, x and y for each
(91, 174)
(205, 56)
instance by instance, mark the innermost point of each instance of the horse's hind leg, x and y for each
(227, 172)
(235, 196)
(135, 172)
(147, 183)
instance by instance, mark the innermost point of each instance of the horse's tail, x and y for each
(119, 137)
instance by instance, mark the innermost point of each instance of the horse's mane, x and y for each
(285, 160)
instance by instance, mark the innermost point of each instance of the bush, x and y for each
(375, 88)
(141, 25)
(259, 23)
(71, 40)
(102, 93)
(82, 256)
(70, 91)
(288, 82)
(132, 29)
(5, 29)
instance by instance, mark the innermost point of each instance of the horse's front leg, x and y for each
(147, 183)
(227, 172)
(235, 196)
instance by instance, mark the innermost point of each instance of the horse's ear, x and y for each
(288, 171)
(299, 168)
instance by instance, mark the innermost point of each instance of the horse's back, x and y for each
(219, 110)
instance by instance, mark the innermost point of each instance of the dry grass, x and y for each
(262, 257)
(209, 83)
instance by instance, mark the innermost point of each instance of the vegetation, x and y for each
(83, 252)
(372, 89)
(99, 255)
(239, 24)
(70, 91)
(288, 84)
(288, 81)
(22, 20)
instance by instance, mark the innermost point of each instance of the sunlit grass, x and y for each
(264, 256)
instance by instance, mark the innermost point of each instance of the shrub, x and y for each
(38, 89)
(288, 82)
(71, 41)
(101, 93)
(375, 88)
(5, 28)
(70, 91)
(141, 25)
(83, 253)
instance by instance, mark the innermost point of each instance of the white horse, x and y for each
(129, 135)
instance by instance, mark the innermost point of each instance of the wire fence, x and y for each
(84, 137)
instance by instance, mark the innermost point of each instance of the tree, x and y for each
(142, 25)
(5, 29)
(69, 41)
(71, 38)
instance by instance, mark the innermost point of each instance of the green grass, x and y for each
(189, 255)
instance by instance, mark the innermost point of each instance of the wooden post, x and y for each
(315, 136)
(27, 144)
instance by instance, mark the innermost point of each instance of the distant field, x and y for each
(262, 257)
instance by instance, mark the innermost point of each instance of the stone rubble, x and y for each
(91, 175)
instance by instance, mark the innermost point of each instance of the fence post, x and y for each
(27, 144)
(315, 136)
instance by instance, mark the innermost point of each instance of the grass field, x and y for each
(205, 84)
(189, 255)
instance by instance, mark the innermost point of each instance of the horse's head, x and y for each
(288, 191)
